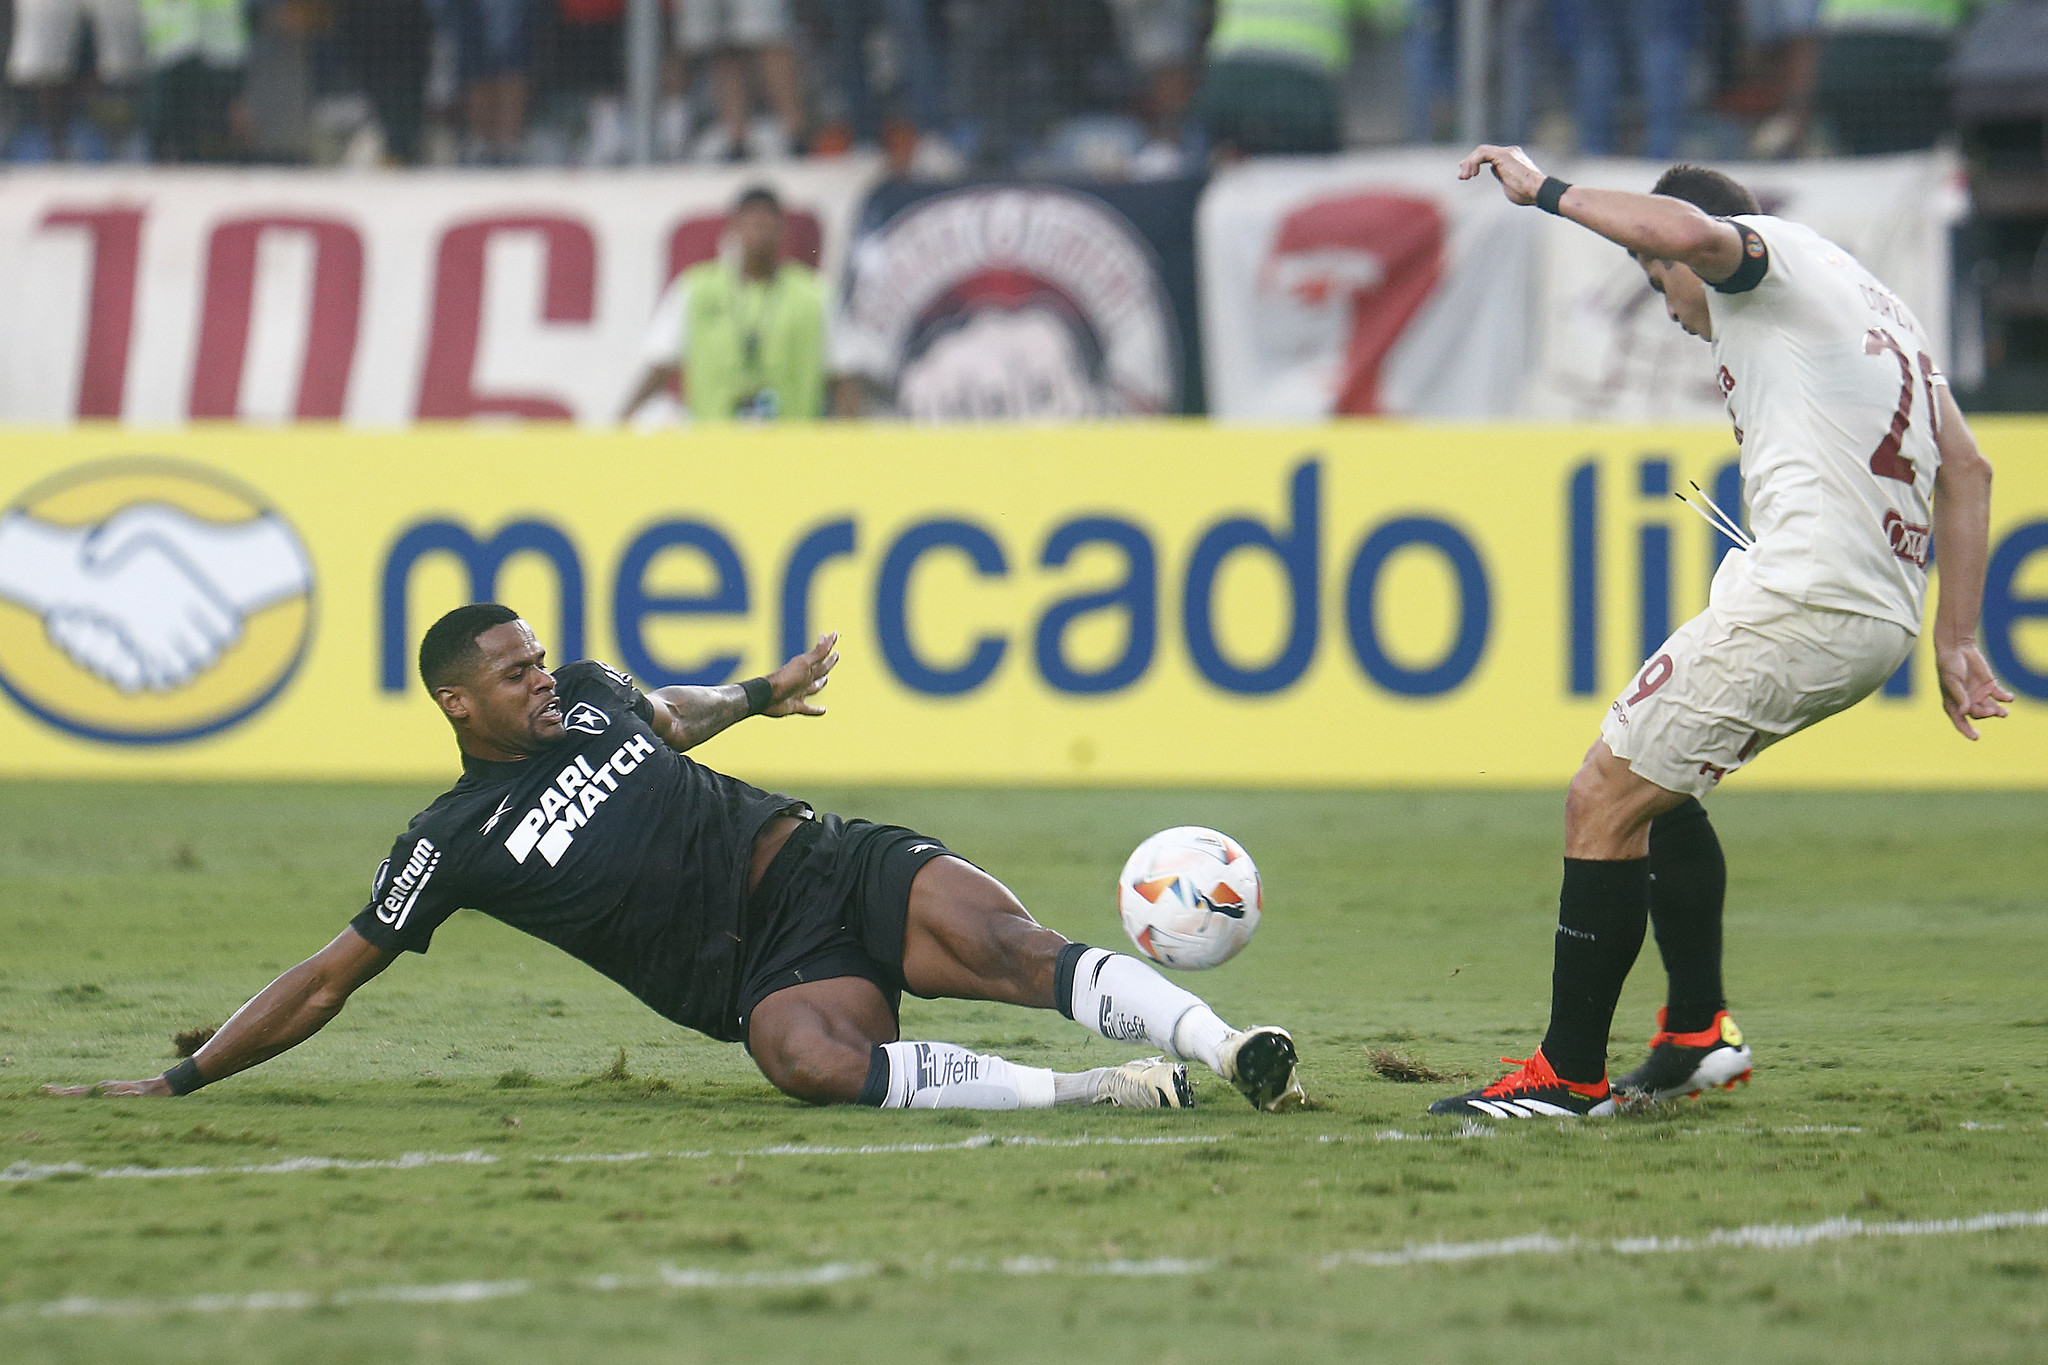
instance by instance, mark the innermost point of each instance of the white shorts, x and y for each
(707, 25)
(1752, 668)
(46, 39)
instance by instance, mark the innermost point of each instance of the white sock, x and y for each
(1124, 1000)
(943, 1076)
(1078, 1087)
(1200, 1034)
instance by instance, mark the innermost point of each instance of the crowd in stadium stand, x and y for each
(1106, 88)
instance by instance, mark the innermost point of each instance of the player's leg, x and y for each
(1603, 911)
(967, 937)
(834, 1042)
(1697, 1043)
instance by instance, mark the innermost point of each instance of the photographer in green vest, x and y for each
(741, 336)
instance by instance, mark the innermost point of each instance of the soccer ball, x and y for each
(1189, 898)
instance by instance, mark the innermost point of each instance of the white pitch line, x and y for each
(1761, 1237)
(465, 1291)
(22, 1170)
(411, 1161)
(1766, 1236)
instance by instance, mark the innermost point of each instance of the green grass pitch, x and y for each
(1888, 957)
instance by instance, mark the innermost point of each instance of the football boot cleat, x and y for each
(1149, 1083)
(1260, 1063)
(1687, 1063)
(1532, 1091)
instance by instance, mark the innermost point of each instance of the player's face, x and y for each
(1685, 295)
(511, 695)
(758, 229)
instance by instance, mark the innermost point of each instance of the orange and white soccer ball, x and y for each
(1189, 898)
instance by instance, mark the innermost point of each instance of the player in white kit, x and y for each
(1855, 462)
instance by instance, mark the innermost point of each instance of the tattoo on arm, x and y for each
(695, 714)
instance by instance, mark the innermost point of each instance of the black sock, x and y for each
(1601, 915)
(874, 1092)
(1063, 977)
(1688, 883)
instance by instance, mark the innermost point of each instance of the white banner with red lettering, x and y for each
(1381, 284)
(380, 299)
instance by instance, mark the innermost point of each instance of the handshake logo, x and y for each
(157, 580)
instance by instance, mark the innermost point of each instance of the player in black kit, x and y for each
(737, 912)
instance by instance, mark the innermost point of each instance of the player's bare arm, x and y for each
(1650, 226)
(685, 717)
(284, 1014)
(1962, 528)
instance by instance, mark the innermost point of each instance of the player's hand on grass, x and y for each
(796, 682)
(1518, 175)
(1969, 689)
(155, 1085)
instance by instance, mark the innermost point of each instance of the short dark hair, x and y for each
(758, 194)
(1709, 191)
(448, 649)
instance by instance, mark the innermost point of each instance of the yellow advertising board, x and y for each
(1352, 604)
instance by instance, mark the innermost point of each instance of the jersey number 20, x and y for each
(1886, 462)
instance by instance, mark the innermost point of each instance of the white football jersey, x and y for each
(1831, 385)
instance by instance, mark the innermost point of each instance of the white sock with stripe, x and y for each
(1124, 1000)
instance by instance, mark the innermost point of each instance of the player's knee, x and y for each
(815, 1070)
(1590, 799)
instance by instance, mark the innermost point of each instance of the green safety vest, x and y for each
(213, 30)
(749, 340)
(1311, 33)
(1921, 14)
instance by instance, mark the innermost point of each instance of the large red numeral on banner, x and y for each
(336, 311)
(447, 383)
(1383, 253)
(110, 315)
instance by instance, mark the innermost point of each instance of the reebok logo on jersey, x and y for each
(407, 885)
(587, 718)
(496, 816)
(920, 848)
(568, 805)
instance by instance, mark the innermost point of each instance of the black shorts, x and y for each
(833, 902)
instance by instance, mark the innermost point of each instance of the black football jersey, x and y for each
(613, 847)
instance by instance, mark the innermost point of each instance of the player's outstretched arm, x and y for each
(1655, 226)
(1962, 533)
(685, 717)
(284, 1014)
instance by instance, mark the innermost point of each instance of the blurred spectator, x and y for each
(920, 67)
(1274, 66)
(1429, 55)
(45, 51)
(1654, 36)
(1880, 84)
(388, 44)
(740, 336)
(197, 51)
(1028, 65)
(494, 48)
(582, 60)
(1161, 41)
(1783, 39)
(735, 34)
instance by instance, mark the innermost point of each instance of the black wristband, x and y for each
(759, 695)
(184, 1078)
(1552, 191)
